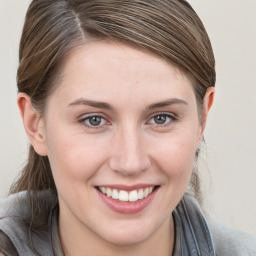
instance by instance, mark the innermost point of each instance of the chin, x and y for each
(126, 238)
(128, 234)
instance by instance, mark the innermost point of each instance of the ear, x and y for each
(33, 124)
(208, 102)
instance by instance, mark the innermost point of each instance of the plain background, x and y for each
(229, 163)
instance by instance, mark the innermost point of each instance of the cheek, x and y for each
(175, 155)
(74, 159)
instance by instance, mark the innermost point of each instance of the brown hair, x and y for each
(53, 28)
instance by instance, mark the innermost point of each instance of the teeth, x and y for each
(115, 194)
(109, 192)
(133, 196)
(141, 194)
(126, 196)
(146, 192)
(103, 190)
(123, 196)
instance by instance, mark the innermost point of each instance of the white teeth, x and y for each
(115, 194)
(109, 192)
(123, 196)
(133, 196)
(146, 192)
(141, 194)
(126, 196)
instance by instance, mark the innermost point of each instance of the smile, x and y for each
(127, 199)
(126, 196)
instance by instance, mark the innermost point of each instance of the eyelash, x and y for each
(83, 120)
(90, 126)
(172, 118)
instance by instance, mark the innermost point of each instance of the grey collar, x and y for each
(193, 237)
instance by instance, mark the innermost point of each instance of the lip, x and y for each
(128, 207)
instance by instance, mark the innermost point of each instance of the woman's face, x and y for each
(121, 122)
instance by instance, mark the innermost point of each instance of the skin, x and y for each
(128, 147)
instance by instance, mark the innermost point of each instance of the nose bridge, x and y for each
(129, 156)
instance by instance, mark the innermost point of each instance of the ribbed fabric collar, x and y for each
(193, 237)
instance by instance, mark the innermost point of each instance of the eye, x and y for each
(162, 119)
(93, 121)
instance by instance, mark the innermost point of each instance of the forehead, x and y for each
(105, 52)
(105, 69)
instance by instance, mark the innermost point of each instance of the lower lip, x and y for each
(127, 207)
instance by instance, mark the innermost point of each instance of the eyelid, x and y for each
(173, 117)
(84, 117)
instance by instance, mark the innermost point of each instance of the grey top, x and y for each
(195, 233)
(229, 241)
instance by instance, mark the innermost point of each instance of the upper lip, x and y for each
(127, 187)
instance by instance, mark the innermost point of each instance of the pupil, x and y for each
(160, 119)
(95, 120)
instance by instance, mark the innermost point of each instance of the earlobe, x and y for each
(208, 102)
(33, 124)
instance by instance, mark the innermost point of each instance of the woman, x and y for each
(114, 97)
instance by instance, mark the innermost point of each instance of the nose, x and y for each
(129, 153)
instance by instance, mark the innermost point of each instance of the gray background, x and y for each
(229, 163)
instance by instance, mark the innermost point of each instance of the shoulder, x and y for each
(24, 204)
(12, 225)
(229, 241)
(27, 226)
(9, 205)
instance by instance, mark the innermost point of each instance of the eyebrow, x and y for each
(92, 103)
(168, 102)
(104, 105)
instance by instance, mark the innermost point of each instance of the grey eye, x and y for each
(95, 121)
(161, 119)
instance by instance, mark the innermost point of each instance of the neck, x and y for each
(86, 242)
